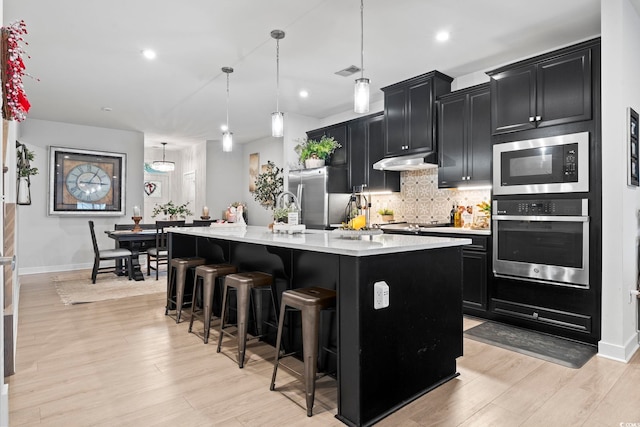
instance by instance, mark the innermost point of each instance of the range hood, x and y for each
(410, 162)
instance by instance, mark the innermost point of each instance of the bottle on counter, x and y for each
(452, 216)
(457, 219)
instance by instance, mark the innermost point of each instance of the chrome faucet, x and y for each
(280, 199)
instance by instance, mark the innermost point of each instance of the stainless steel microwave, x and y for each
(557, 164)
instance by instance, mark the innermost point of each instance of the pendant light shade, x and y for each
(227, 135)
(227, 141)
(277, 124)
(163, 165)
(277, 118)
(361, 90)
(361, 96)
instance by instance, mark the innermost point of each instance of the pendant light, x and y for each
(227, 135)
(277, 118)
(164, 165)
(361, 92)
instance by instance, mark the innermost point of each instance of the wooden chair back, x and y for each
(161, 235)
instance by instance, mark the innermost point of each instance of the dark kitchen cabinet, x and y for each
(548, 90)
(366, 144)
(464, 137)
(339, 133)
(362, 141)
(409, 111)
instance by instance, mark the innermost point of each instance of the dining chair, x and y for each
(160, 254)
(107, 255)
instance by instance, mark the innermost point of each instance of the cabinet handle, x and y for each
(531, 119)
(538, 118)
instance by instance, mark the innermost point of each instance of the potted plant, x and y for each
(314, 153)
(174, 211)
(24, 171)
(282, 214)
(386, 214)
(269, 185)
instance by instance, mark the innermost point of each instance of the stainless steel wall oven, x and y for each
(544, 241)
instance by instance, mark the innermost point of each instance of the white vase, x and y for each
(24, 192)
(313, 163)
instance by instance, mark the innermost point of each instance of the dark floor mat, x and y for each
(546, 347)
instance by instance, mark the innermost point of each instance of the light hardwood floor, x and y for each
(124, 363)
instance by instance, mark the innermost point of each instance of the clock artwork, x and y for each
(86, 182)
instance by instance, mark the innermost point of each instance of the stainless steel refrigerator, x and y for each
(323, 195)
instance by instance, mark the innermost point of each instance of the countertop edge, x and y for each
(365, 246)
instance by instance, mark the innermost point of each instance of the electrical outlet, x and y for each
(380, 295)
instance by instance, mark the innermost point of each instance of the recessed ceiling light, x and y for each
(442, 36)
(149, 54)
(304, 94)
(107, 109)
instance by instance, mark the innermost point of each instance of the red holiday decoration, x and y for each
(15, 105)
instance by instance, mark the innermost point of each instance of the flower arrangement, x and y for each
(312, 149)
(385, 211)
(269, 185)
(171, 209)
(15, 106)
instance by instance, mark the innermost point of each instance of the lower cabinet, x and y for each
(474, 281)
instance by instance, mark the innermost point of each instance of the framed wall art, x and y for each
(633, 169)
(86, 182)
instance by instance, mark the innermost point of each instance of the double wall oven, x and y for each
(540, 223)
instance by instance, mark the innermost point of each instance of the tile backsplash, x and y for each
(420, 200)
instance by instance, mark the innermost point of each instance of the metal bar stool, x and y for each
(243, 283)
(177, 279)
(309, 301)
(208, 275)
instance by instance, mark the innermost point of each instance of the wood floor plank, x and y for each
(124, 363)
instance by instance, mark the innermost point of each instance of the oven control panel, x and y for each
(547, 207)
(571, 163)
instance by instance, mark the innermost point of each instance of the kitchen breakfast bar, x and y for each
(385, 357)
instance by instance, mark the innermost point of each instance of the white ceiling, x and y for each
(86, 55)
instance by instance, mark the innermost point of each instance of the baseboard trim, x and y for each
(618, 352)
(53, 269)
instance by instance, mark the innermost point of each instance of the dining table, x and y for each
(137, 242)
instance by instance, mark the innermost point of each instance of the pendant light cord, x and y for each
(361, 38)
(278, 75)
(227, 102)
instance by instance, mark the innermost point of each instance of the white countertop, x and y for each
(326, 241)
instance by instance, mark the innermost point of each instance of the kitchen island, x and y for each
(385, 357)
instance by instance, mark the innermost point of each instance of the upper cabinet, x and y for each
(464, 137)
(366, 143)
(548, 90)
(409, 111)
(362, 141)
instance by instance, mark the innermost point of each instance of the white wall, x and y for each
(224, 178)
(268, 149)
(55, 243)
(620, 89)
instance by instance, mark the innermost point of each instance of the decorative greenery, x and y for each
(385, 211)
(25, 157)
(269, 185)
(312, 149)
(170, 209)
(282, 214)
